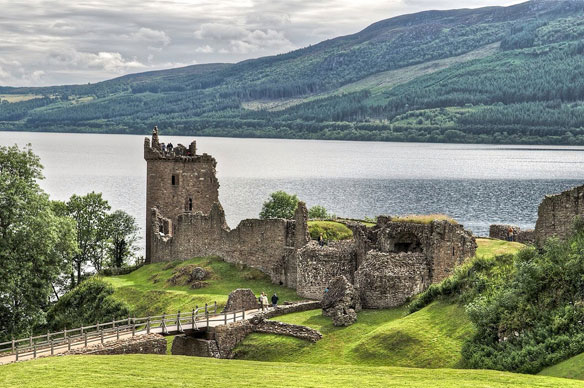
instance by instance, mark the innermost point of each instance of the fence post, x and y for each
(148, 325)
(12, 344)
(178, 327)
(97, 326)
(207, 316)
(101, 335)
(193, 319)
(81, 330)
(206, 310)
(69, 343)
(16, 351)
(30, 340)
(133, 329)
(215, 309)
(85, 337)
(65, 333)
(48, 336)
(163, 324)
(34, 351)
(117, 333)
(225, 318)
(128, 321)
(52, 348)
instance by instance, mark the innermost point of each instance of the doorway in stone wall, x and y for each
(407, 242)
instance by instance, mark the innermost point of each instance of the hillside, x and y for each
(495, 74)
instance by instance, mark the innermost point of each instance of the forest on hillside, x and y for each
(383, 83)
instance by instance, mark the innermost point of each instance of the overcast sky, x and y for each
(54, 42)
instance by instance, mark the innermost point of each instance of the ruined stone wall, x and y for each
(556, 214)
(177, 183)
(445, 244)
(318, 265)
(387, 280)
(263, 244)
(140, 344)
(501, 232)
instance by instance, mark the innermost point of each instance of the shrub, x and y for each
(90, 302)
(318, 213)
(330, 230)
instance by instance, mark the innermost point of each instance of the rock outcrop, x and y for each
(241, 299)
(341, 302)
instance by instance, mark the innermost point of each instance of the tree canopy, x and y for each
(280, 205)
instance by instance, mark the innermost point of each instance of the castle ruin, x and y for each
(387, 263)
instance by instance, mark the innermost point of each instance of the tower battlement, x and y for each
(154, 150)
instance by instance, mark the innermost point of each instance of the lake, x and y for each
(476, 184)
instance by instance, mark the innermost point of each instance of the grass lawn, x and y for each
(148, 292)
(132, 371)
(429, 338)
(330, 230)
(488, 247)
(572, 368)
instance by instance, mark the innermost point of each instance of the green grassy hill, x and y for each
(133, 371)
(149, 290)
(572, 368)
(429, 338)
(494, 74)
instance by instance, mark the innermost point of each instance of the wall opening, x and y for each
(190, 204)
(174, 180)
(407, 242)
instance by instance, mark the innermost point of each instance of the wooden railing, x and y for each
(165, 324)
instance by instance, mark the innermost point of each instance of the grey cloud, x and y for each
(48, 42)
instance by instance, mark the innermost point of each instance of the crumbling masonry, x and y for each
(386, 263)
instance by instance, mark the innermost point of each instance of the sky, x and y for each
(55, 42)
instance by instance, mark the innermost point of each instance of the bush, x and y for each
(90, 302)
(280, 205)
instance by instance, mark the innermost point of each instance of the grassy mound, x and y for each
(134, 371)
(429, 338)
(491, 248)
(151, 289)
(572, 368)
(330, 230)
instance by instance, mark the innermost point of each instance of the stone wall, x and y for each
(501, 232)
(184, 345)
(140, 344)
(556, 214)
(388, 280)
(241, 299)
(267, 245)
(317, 266)
(288, 329)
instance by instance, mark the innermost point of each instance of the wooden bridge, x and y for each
(199, 319)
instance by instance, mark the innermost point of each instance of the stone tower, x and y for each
(177, 181)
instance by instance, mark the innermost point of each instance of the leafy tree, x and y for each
(280, 205)
(318, 212)
(34, 242)
(90, 214)
(90, 302)
(123, 235)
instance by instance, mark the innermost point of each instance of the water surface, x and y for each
(476, 184)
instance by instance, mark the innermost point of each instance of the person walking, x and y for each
(264, 300)
(321, 240)
(274, 300)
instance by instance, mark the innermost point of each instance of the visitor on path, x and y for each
(264, 300)
(321, 240)
(163, 147)
(274, 300)
(326, 290)
(169, 147)
(510, 234)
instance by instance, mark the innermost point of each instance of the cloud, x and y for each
(48, 42)
(241, 40)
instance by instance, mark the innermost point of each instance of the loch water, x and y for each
(476, 184)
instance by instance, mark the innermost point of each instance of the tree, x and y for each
(280, 205)
(318, 212)
(33, 242)
(123, 235)
(90, 214)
